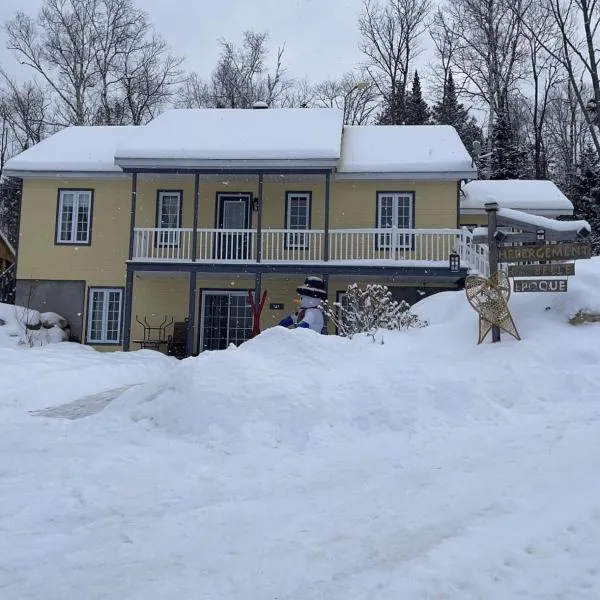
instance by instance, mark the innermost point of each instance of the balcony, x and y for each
(405, 247)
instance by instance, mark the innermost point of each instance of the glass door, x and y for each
(226, 319)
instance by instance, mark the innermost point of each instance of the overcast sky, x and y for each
(321, 35)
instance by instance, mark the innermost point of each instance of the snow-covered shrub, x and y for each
(369, 310)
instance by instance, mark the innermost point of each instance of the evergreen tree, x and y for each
(394, 109)
(449, 111)
(417, 111)
(506, 158)
(10, 206)
(586, 193)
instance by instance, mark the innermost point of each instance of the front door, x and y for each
(226, 318)
(233, 215)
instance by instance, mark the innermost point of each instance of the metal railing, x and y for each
(349, 246)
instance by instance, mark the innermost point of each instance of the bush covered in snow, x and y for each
(369, 310)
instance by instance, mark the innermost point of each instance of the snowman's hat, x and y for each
(313, 287)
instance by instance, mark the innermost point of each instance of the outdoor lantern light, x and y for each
(454, 262)
(583, 232)
(500, 236)
(540, 234)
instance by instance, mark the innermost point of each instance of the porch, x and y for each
(342, 247)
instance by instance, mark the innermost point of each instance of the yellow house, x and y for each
(136, 234)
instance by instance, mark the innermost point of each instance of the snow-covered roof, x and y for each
(7, 243)
(542, 222)
(205, 138)
(404, 152)
(537, 197)
(73, 150)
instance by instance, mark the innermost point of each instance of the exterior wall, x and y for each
(479, 220)
(103, 261)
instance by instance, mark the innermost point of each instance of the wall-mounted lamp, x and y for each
(254, 203)
(454, 262)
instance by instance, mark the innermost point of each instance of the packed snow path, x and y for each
(493, 512)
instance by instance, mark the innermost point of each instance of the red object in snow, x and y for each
(256, 311)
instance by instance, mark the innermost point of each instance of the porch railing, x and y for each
(375, 246)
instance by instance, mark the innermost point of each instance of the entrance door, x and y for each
(226, 318)
(233, 213)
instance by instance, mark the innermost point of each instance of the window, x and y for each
(104, 315)
(168, 217)
(297, 213)
(395, 209)
(74, 217)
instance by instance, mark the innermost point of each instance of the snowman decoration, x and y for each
(309, 314)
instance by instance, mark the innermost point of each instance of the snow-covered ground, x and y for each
(300, 466)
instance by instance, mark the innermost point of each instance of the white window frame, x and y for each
(78, 195)
(103, 339)
(168, 239)
(402, 241)
(300, 240)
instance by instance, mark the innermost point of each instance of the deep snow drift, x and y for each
(300, 466)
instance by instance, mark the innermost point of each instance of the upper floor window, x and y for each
(168, 216)
(297, 212)
(395, 209)
(74, 218)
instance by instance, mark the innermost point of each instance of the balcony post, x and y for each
(326, 228)
(132, 213)
(259, 221)
(189, 344)
(127, 309)
(195, 223)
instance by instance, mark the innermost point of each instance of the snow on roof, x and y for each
(543, 222)
(7, 243)
(414, 151)
(89, 149)
(538, 197)
(204, 137)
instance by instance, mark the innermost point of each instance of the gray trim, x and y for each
(189, 347)
(327, 215)
(132, 211)
(58, 219)
(196, 215)
(127, 309)
(65, 174)
(258, 218)
(233, 164)
(412, 175)
(436, 273)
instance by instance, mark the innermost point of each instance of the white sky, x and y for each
(321, 36)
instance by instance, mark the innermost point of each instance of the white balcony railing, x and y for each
(346, 246)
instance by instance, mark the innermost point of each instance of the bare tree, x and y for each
(357, 98)
(489, 55)
(576, 23)
(240, 78)
(101, 59)
(391, 35)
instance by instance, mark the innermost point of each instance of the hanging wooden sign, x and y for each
(540, 285)
(545, 270)
(563, 251)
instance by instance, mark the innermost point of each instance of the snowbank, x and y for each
(44, 328)
(294, 388)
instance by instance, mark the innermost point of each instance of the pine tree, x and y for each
(449, 111)
(394, 109)
(586, 193)
(506, 158)
(417, 111)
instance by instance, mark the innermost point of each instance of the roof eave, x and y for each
(542, 212)
(233, 165)
(414, 175)
(45, 174)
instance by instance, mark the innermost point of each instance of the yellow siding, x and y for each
(480, 220)
(101, 263)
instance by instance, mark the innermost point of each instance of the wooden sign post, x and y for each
(491, 208)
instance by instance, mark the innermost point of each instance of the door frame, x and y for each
(216, 292)
(245, 196)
